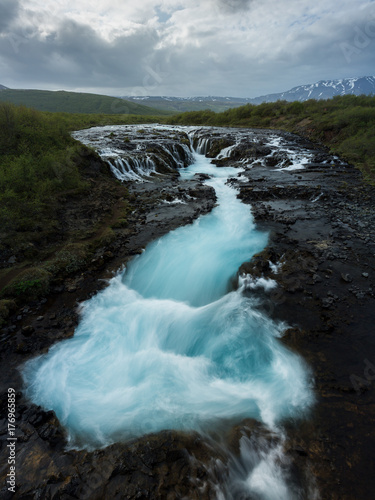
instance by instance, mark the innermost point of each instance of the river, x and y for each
(176, 341)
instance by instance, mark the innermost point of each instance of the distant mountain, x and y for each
(181, 104)
(325, 89)
(74, 102)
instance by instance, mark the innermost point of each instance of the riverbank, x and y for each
(322, 224)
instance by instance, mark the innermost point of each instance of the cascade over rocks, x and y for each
(138, 154)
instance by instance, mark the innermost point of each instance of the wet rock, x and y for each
(203, 177)
(28, 330)
(346, 277)
(260, 264)
(327, 302)
(24, 348)
(217, 145)
(299, 451)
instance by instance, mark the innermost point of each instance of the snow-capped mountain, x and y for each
(325, 89)
(2, 87)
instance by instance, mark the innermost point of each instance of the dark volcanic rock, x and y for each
(319, 220)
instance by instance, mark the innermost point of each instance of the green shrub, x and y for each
(69, 259)
(29, 284)
(106, 238)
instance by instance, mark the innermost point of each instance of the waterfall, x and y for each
(132, 169)
(226, 152)
(168, 154)
(202, 145)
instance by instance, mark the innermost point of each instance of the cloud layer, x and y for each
(206, 47)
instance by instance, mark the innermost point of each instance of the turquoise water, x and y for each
(168, 345)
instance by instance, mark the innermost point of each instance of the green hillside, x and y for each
(74, 102)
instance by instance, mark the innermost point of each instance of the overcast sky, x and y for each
(242, 48)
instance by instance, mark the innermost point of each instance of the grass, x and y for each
(37, 160)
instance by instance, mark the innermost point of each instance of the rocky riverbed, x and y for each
(322, 232)
(321, 253)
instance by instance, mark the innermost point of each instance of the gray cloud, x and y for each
(75, 55)
(189, 55)
(8, 13)
(234, 6)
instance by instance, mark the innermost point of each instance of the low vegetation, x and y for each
(346, 124)
(29, 284)
(43, 172)
(38, 160)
